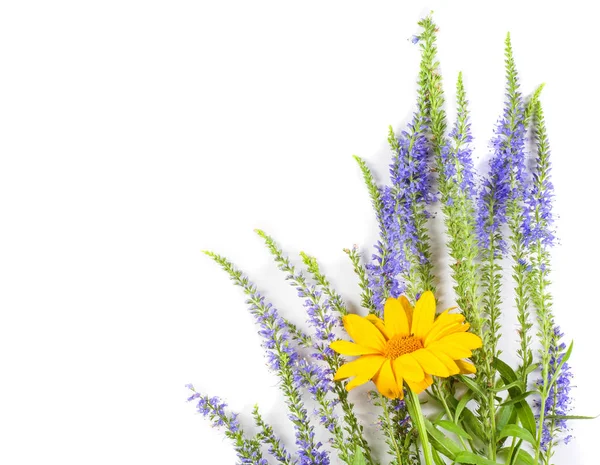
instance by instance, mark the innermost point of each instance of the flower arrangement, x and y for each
(500, 223)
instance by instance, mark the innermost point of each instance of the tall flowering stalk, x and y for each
(247, 450)
(267, 436)
(458, 191)
(377, 277)
(323, 321)
(499, 203)
(554, 385)
(284, 360)
(558, 401)
(403, 262)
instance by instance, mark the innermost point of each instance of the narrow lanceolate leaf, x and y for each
(526, 416)
(436, 457)
(523, 409)
(470, 457)
(473, 386)
(441, 442)
(517, 432)
(566, 356)
(521, 457)
(453, 428)
(473, 424)
(462, 404)
(506, 415)
(570, 417)
(518, 398)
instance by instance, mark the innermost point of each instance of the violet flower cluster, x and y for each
(559, 400)
(296, 373)
(284, 359)
(505, 180)
(408, 194)
(458, 162)
(247, 450)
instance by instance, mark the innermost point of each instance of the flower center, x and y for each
(400, 345)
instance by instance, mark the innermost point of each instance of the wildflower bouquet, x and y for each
(481, 410)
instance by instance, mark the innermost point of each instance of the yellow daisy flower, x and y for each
(408, 345)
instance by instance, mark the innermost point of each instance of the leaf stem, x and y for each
(417, 417)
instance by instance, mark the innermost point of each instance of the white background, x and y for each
(135, 134)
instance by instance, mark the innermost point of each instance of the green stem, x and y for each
(538, 441)
(492, 445)
(510, 459)
(419, 421)
(390, 430)
(438, 389)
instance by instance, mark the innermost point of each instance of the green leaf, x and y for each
(504, 416)
(517, 432)
(453, 428)
(570, 417)
(515, 452)
(517, 384)
(436, 457)
(531, 368)
(523, 409)
(359, 458)
(506, 372)
(470, 457)
(518, 398)
(441, 442)
(473, 386)
(563, 360)
(464, 400)
(473, 424)
(521, 457)
(526, 416)
(524, 458)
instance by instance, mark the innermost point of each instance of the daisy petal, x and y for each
(442, 331)
(350, 348)
(399, 383)
(365, 367)
(408, 367)
(454, 351)
(363, 332)
(408, 309)
(395, 318)
(355, 382)
(466, 368)
(420, 386)
(386, 381)
(423, 315)
(442, 321)
(450, 364)
(467, 340)
(430, 363)
(378, 322)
